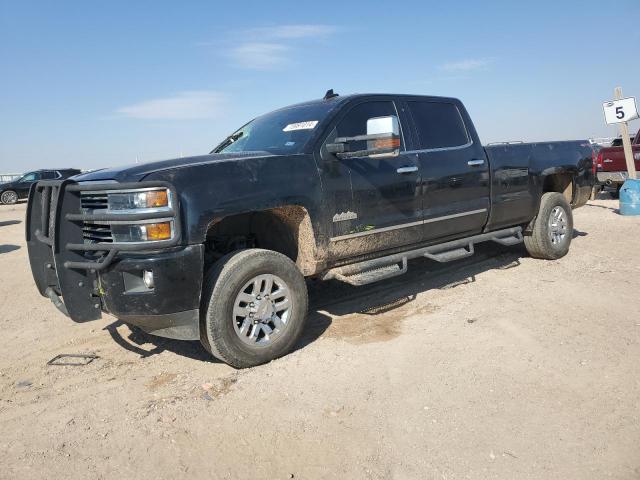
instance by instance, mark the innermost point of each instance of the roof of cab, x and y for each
(338, 99)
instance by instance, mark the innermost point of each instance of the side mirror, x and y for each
(382, 140)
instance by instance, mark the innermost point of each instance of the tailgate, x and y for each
(613, 159)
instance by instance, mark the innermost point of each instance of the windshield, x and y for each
(28, 177)
(285, 131)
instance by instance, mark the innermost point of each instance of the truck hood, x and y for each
(137, 172)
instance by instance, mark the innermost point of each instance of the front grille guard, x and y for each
(51, 227)
(60, 263)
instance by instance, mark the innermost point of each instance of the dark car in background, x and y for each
(18, 189)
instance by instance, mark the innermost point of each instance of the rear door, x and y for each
(455, 170)
(374, 203)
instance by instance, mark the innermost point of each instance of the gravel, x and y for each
(497, 366)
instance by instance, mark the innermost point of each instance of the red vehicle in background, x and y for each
(611, 167)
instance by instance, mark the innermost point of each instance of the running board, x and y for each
(370, 271)
(366, 277)
(451, 255)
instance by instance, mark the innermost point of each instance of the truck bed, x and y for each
(516, 167)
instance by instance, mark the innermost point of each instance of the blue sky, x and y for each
(91, 84)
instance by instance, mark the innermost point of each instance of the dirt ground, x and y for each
(498, 366)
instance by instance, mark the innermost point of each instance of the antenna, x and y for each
(329, 94)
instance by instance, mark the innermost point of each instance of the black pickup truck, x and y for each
(217, 247)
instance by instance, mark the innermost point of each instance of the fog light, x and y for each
(142, 232)
(147, 278)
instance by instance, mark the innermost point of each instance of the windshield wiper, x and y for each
(228, 141)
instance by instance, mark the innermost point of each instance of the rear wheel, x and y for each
(8, 197)
(553, 228)
(254, 307)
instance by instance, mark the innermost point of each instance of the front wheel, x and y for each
(553, 228)
(9, 197)
(254, 306)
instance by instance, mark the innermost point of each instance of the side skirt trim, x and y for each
(407, 225)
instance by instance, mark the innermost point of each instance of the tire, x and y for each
(616, 194)
(9, 197)
(547, 241)
(233, 279)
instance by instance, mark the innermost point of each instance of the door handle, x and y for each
(410, 169)
(474, 163)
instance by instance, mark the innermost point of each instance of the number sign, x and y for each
(618, 111)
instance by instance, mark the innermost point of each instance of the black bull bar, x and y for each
(63, 264)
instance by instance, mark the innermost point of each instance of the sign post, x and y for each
(620, 111)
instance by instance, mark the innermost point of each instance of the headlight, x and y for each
(140, 201)
(137, 215)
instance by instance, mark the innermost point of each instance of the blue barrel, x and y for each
(630, 198)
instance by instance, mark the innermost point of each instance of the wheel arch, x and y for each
(286, 229)
(554, 179)
(560, 180)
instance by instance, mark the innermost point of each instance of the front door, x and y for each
(24, 185)
(455, 170)
(374, 203)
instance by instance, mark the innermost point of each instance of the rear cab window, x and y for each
(438, 125)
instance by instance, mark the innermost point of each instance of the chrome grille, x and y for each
(93, 201)
(95, 232)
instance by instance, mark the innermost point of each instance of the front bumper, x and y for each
(84, 278)
(171, 308)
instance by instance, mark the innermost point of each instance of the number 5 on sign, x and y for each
(619, 111)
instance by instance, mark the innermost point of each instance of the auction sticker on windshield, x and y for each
(300, 126)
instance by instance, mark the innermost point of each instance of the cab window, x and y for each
(439, 125)
(355, 122)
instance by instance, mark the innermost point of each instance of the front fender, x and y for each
(211, 191)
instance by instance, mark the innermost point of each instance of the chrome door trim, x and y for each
(443, 149)
(376, 230)
(455, 215)
(406, 225)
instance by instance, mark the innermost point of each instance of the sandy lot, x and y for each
(498, 366)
